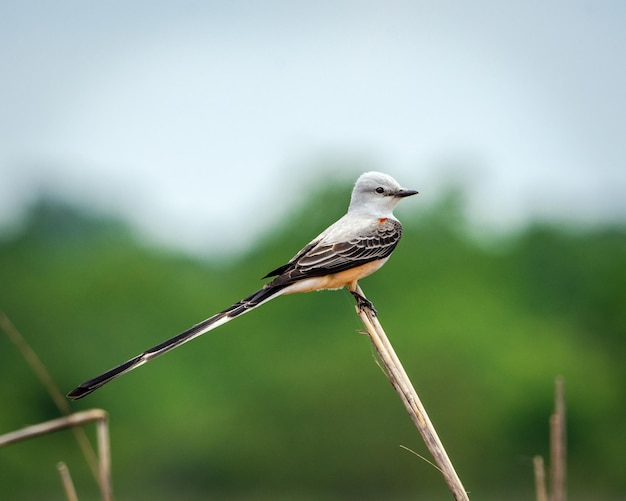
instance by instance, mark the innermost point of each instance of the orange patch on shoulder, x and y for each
(382, 220)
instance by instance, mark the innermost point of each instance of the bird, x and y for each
(353, 247)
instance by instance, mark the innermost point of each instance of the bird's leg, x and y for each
(362, 302)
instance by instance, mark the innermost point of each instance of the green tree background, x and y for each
(288, 402)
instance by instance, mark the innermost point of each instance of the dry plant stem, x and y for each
(44, 376)
(71, 421)
(557, 443)
(66, 480)
(414, 407)
(540, 479)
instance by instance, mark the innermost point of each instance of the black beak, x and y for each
(405, 193)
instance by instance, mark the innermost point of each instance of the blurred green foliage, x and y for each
(288, 402)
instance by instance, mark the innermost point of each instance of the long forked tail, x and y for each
(245, 305)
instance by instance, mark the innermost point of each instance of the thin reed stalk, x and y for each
(72, 421)
(541, 491)
(66, 480)
(402, 384)
(558, 448)
(57, 397)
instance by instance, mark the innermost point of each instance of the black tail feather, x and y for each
(239, 308)
(93, 384)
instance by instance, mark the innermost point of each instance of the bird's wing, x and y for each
(322, 257)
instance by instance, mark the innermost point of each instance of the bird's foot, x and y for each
(362, 302)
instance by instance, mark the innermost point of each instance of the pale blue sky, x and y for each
(184, 116)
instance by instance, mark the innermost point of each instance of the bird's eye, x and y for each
(380, 189)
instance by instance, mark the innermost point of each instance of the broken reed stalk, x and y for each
(402, 384)
(72, 421)
(541, 491)
(66, 480)
(557, 443)
(44, 376)
(558, 448)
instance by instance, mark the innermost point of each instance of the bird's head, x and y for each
(377, 194)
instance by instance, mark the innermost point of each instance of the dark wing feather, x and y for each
(319, 258)
(281, 269)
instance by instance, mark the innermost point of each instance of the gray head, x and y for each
(377, 194)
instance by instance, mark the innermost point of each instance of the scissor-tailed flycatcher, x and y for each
(354, 247)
